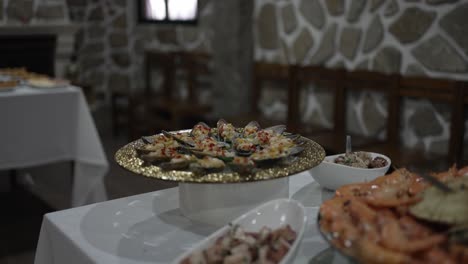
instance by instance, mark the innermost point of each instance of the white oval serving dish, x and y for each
(332, 176)
(273, 214)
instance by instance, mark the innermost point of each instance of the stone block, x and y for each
(424, 122)
(349, 42)
(121, 3)
(335, 7)
(267, 30)
(387, 60)
(96, 32)
(121, 59)
(120, 21)
(374, 35)
(289, 18)
(118, 82)
(437, 54)
(303, 43)
(355, 10)
(327, 47)
(439, 2)
(313, 12)
(392, 8)
(118, 40)
(20, 10)
(80, 3)
(92, 62)
(363, 65)
(455, 24)
(96, 14)
(412, 24)
(415, 70)
(92, 48)
(189, 35)
(375, 4)
(50, 12)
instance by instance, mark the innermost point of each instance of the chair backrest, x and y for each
(380, 83)
(164, 62)
(450, 92)
(270, 72)
(330, 79)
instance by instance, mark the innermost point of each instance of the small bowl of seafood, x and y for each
(400, 218)
(341, 169)
(270, 233)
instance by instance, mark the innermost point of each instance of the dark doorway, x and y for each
(34, 52)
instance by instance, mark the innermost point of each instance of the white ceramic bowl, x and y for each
(273, 214)
(332, 176)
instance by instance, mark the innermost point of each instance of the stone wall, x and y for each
(111, 43)
(409, 37)
(33, 11)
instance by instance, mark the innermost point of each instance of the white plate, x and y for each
(47, 85)
(273, 214)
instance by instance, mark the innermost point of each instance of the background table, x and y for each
(40, 126)
(149, 228)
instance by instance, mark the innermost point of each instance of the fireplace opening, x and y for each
(34, 52)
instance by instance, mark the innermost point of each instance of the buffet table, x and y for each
(149, 228)
(41, 126)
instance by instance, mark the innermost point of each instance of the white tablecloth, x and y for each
(40, 126)
(149, 228)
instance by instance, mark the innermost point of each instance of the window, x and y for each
(168, 11)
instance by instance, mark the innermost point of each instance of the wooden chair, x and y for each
(165, 108)
(436, 90)
(379, 83)
(332, 80)
(280, 77)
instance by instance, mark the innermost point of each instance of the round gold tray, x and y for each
(312, 156)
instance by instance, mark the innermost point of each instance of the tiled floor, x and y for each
(47, 188)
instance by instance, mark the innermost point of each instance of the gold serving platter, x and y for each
(312, 156)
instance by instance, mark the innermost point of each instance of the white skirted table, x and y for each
(41, 126)
(149, 228)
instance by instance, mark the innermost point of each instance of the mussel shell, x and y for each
(153, 158)
(175, 165)
(147, 140)
(202, 154)
(176, 138)
(253, 124)
(295, 150)
(279, 129)
(220, 123)
(142, 150)
(243, 153)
